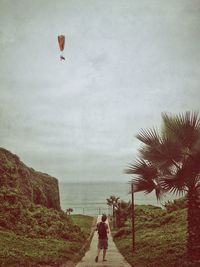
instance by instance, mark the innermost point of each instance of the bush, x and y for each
(122, 232)
(168, 218)
(186, 263)
(176, 204)
(23, 217)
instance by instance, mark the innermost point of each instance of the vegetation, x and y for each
(33, 235)
(34, 231)
(21, 251)
(113, 202)
(24, 217)
(160, 238)
(170, 161)
(69, 211)
(176, 204)
(39, 188)
(84, 222)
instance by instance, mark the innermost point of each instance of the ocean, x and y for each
(90, 198)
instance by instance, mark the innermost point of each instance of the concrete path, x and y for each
(113, 256)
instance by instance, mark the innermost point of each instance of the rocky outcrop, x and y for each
(38, 187)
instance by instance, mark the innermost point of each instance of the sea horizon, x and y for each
(90, 197)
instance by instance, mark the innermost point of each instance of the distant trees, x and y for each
(123, 213)
(120, 210)
(69, 210)
(113, 202)
(169, 160)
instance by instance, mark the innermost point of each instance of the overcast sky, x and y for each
(126, 62)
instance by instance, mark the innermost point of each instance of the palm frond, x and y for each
(162, 155)
(169, 161)
(142, 169)
(173, 184)
(189, 170)
(147, 186)
(142, 184)
(148, 137)
(183, 128)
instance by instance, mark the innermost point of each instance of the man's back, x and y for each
(102, 229)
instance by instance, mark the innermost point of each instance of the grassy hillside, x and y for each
(34, 231)
(160, 238)
(84, 222)
(33, 235)
(40, 188)
(21, 251)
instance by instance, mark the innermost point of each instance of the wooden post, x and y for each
(133, 217)
(116, 223)
(113, 215)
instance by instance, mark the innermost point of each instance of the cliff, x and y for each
(39, 188)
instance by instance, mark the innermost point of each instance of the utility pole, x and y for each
(133, 217)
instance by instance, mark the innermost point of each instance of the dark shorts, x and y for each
(103, 244)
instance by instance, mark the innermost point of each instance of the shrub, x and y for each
(176, 204)
(122, 232)
(23, 217)
(168, 218)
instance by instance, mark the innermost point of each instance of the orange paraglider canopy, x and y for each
(61, 41)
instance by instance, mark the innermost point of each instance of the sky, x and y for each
(126, 63)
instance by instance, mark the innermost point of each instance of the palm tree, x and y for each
(113, 201)
(169, 161)
(69, 210)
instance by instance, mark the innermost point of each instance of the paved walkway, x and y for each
(113, 256)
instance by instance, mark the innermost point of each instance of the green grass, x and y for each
(25, 218)
(33, 229)
(33, 235)
(20, 250)
(160, 238)
(84, 222)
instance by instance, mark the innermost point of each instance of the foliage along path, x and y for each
(113, 256)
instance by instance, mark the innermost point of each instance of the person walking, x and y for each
(102, 228)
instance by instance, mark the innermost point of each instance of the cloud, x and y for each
(6, 38)
(126, 62)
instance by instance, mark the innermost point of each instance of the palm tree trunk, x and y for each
(193, 218)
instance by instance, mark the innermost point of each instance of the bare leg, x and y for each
(98, 253)
(104, 254)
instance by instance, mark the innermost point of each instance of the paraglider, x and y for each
(61, 42)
